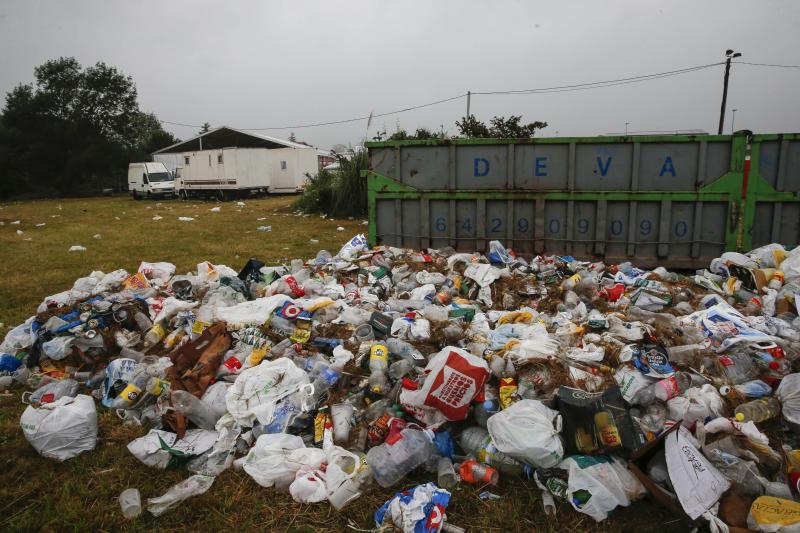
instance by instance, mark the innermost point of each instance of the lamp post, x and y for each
(729, 54)
(733, 120)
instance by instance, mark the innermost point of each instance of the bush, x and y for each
(340, 192)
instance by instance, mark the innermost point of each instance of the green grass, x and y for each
(81, 494)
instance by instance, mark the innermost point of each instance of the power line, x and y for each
(605, 83)
(540, 90)
(765, 64)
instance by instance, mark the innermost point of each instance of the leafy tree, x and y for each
(205, 128)
(292, 138)
(501, 127)
(471, 127)
(73, 130)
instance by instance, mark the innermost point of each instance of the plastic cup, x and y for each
(347, 492)
(364, 333)
(131, 503)
(342, 414)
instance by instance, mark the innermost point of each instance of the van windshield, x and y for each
(156, 177)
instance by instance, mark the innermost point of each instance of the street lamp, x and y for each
(729, 54)
(733, 120)
(626, 128)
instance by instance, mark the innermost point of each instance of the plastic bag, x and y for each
(252, 313)
(454, 377)
(62, 429)
(187, 488)
(606, 480)
(57, 348)
(697, 483)
(788, 393)
(417, 510)
(276, 458)
(256, 392)
(161, 449)
(528, 431)
(309, 485)
(696, 404)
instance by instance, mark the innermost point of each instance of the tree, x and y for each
(471, 127)
(292, 138)
(205, 128)
(501, 127)
(73, 130)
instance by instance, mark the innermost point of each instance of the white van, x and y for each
(150, 180)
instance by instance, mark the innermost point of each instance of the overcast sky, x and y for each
(263, 64)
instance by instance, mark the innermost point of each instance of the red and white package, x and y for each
(454, 378)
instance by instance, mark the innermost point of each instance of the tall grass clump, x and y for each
(340, 192)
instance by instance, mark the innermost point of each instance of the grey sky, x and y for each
(252, 64)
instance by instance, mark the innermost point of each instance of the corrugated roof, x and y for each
(225, 137)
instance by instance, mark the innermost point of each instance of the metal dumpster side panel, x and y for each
(669, 200)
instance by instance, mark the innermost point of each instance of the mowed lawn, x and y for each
(81, 494)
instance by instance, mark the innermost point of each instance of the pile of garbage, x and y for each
(601, 383)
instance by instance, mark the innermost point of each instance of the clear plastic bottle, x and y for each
(758, 410)
(446, 473)
(672, 386)
(685, 355)
(738, 367)
(477, 442)
(400, 368)
(392, 461)
(279, 349)
(194, 409)
(405, 350)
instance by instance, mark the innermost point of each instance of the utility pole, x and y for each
(730, 54)
(469, 95)
(626, 128)
(733, 120)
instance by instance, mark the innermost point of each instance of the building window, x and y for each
(219, 159)
(186, 160)
(283, 165)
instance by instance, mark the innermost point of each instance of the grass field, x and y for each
(81, 494)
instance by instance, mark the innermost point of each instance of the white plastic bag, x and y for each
(159, 448)
(696, 404)
(62, 429)
(528, 431)
(606, 479)
(257, 390)
(276, 458)
(697, 483)
(309, 485)
(157, 272)
(253, 313)
(187, 488)
(58, 348)
(788, 393)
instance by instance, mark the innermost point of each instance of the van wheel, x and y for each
(136, 195)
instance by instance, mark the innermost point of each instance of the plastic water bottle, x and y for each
(378, 364)
(446, 473)
(686, 354)
(477, 442)
(400, 368)
(405, 350)
(194, 409)
(739, 368)
(758, 410)
(393, 460)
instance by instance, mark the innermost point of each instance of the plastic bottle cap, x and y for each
(740, 417)
(774, 365)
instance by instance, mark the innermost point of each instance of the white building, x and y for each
(228, 163)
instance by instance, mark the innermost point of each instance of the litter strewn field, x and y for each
(501, 392)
